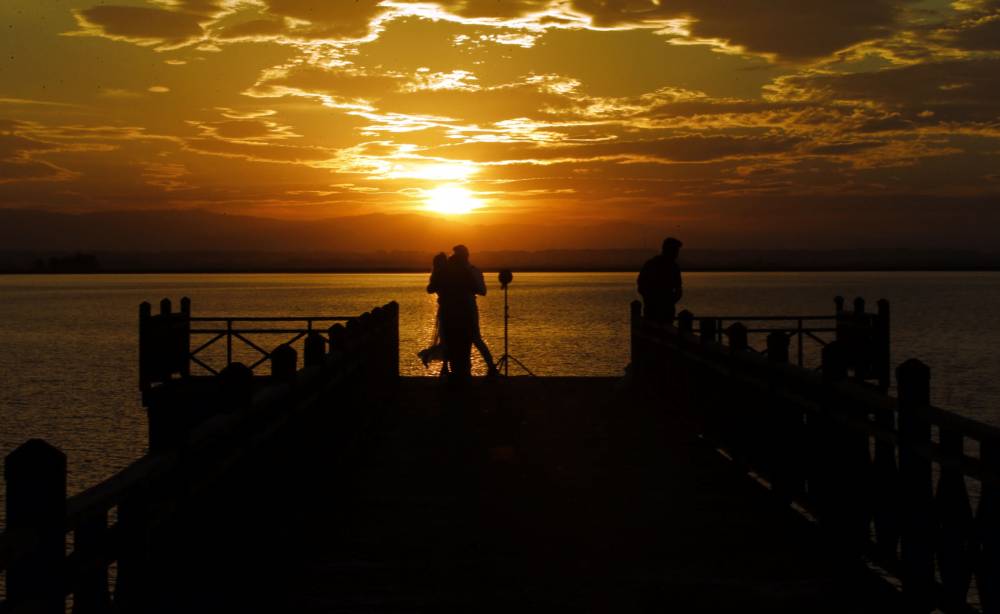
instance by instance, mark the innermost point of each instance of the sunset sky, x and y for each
(678, 112)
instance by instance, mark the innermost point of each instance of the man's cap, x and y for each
(672, 242)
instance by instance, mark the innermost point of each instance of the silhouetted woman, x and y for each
(436, 350)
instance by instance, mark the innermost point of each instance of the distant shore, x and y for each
(552, 260)
(401, 270)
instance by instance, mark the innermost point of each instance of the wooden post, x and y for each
(352, 336)
(314, 352)
(134, 582)
(845, 474)
(859, 307)
(838, 303)
(283, 362)
(36, 503)
(834, 357)
(393, 313)
(737, 334)
(236, 387)
(777, 347)
(882, 341)
(184, 342)
(824, 467)
(90, 540)
(954, 516)
(635, 345)
(365, 349)
(145, 346)
(685, 322)
(707, 330)
(337, 334)
(913, 380)
(886, 499)
(378, 355)
(165, 307)
(988, 529)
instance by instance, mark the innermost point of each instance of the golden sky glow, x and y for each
(563, 111)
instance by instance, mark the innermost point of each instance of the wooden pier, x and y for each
(712, 478)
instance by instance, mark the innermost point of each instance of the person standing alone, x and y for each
(660, 283)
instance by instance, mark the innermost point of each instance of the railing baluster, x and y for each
(913, 379)
(799, 334)
(90, 542)
(988, 531)
(229, 342)
(954, 515)
(886, 493)
(134, 580)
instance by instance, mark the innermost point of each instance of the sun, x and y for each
(451, 200)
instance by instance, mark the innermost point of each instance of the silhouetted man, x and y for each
(660, 283)
(461, 254)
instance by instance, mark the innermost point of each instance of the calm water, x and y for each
(68, 361)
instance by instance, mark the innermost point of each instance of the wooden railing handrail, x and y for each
(270, 318)
(369, 344)
(872, 398)
(276, 331)
(868, 465)
(808, 318)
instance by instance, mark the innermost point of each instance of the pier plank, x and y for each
(558, 493)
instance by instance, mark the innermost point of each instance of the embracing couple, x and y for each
(457, 282)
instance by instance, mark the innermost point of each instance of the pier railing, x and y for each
(172, 342)
(913, 488)
(141, 527)
(863, 337)
(813, 330)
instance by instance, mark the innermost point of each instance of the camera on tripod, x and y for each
(505, 277)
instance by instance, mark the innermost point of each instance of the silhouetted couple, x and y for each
(457, 282)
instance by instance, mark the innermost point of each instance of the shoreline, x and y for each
(493, 269)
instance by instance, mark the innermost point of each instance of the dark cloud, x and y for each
(790, 29)
(981, 35)
(839, 149)
(518, 100)
(16, 171)
(142, 25)
(685, 148)
(329, 19)
(16, 161)
(696, 148)
(258, 152)
(13, 145)
(959, 90)
(341, 83)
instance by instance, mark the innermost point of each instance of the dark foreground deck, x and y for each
(562, 494)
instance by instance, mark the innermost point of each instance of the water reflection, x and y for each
(69, 359)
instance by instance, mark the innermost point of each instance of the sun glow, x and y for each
(451, 200)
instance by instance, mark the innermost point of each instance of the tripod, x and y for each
(507, 358)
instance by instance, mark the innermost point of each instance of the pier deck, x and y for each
(564, 494)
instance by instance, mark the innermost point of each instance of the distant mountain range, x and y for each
(191, 240)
